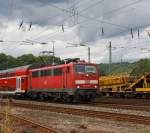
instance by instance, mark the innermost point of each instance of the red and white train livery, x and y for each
(65, 82)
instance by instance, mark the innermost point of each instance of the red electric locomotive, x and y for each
(74, 80)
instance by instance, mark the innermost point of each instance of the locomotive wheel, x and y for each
(83, 99)
(32, 95)
(91, 98)
(68, 98)
(57, 97)
(41, 96)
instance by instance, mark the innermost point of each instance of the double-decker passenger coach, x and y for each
(14, 81)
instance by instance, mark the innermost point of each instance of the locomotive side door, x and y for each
(18, 84)
(66, 77)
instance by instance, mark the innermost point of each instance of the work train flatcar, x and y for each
(73, 81)
(125, 86)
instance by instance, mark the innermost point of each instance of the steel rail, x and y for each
(8, 130)
(136, 119)
(120, 106)
(30, 123)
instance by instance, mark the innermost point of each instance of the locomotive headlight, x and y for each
(78, 86)
(95, 86)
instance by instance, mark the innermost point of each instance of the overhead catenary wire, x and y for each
(52, 17)
(77, 3)
(133, 29)
(122, 7)
(9, 17)
(142, 26)
(94, 19)
(95, 4)
(10, 14)
(111, 11)
(38, 35)
(91, 19)
(59, 31)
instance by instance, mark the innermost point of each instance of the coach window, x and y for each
(35, 74)
(57, 71)
(48, 72)
(43, 73)
(10, 74)
(22, 80)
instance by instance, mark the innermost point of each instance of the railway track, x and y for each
(119, 106)
(7, 130)
(87, 113)
(123, 101)
(21, 125)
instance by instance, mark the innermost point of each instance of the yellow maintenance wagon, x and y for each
(141, 87)
(110, 85)
(125, 86)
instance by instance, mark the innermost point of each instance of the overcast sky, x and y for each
(92, 22)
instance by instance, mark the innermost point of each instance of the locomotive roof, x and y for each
(11, 70)
(32, 67)
(60, 65)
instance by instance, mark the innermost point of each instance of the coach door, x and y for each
(18, 84)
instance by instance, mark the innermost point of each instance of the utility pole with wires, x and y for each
(72, 11)
(53, 52)
(110, 57)
(89, 55)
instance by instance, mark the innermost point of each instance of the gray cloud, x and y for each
(117, 21)
(115, 16)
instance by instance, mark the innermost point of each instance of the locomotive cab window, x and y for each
(85, 69)
(90, 69)
(80, 68)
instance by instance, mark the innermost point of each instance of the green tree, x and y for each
(142, 66)
(3, 61)
(26, 59)
(8, 61)
(11, 61)
(47, 60)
